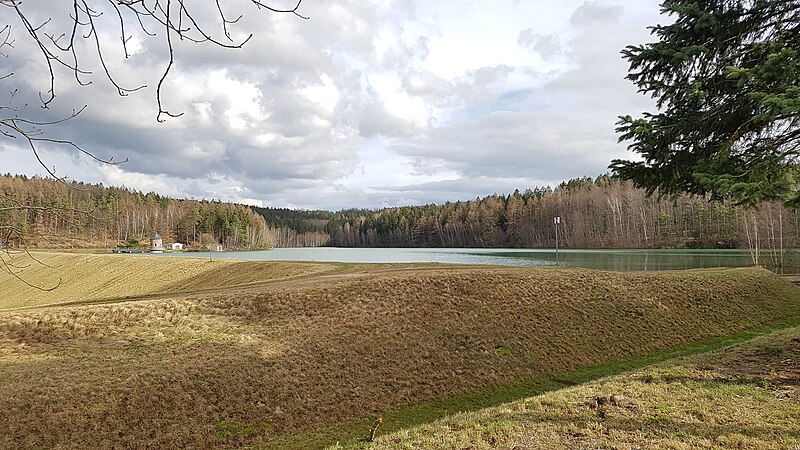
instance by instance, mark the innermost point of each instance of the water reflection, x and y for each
(622, 260)
(627, 260)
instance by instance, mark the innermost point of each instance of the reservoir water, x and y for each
(623, 260)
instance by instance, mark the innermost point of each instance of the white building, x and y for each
(176, 246)
(156, 244)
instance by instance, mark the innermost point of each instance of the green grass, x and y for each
(736, 392)
(406, 417)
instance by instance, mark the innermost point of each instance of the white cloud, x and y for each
(389, 92)
(325, 94)
(116, 176)
(368, 103)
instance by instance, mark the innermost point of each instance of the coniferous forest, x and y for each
(595, 213)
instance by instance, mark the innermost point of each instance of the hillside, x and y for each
(92, 278)
(40, 212)
(305, 364)
(740, 397)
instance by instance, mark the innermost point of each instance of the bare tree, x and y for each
(165, 20)
(70, 47)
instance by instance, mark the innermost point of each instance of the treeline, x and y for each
(42, 212)
(595, 213)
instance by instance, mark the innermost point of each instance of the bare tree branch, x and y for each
(8, 265)
(66, 49)
(177, 18)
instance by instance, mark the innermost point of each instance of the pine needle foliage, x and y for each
(726, 79)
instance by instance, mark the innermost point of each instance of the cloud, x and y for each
(547, 46)
(596, 12)
(368, 103)
(555, 130)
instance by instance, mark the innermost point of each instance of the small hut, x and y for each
(176, 246)
(156, 244)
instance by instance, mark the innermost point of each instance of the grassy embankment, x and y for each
(308, 364)
(747, 396)
(92, 277)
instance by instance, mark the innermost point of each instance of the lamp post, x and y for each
(556, 222)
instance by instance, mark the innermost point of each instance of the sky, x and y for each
(365, 104)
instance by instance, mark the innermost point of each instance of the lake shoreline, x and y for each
(615, 260)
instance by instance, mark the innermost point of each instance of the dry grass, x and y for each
(280, 365)
(743, 397)
(91, 277)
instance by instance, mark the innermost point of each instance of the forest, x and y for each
(594, 213)
(603, 212)
(48, 213)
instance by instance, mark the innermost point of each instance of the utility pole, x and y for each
(556, 222)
